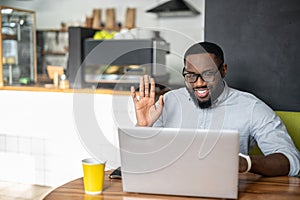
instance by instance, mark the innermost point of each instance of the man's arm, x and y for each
(282, 157)
(275, 164)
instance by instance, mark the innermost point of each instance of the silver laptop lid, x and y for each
(180, 161)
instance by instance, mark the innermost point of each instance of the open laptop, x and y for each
(202, 163)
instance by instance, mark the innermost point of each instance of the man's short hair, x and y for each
(205, 47)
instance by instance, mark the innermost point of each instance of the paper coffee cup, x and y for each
(93, 175)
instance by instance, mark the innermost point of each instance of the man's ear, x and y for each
(223, 70)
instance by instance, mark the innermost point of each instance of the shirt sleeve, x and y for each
(272, 137)
(159, 121)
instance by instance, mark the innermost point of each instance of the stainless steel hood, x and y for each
(174, 8)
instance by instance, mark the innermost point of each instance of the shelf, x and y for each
(53, 30)
(54, 53)
(9, 37)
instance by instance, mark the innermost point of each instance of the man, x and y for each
(207, 102)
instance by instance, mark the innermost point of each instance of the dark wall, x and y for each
(261, 42)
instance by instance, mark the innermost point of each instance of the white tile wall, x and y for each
(25, 160)
(37, 146)
(12, 144)
(2, 142)
(25, 145)
(17, 167)
(22, 159)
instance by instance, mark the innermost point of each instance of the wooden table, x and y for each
(251, 187)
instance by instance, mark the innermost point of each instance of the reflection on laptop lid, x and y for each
(187, 162)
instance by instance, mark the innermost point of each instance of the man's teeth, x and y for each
(201, 91)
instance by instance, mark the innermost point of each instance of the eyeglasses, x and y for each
(207, 76)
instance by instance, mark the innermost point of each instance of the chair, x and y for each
(292, 123)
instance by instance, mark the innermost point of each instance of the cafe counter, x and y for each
(44, 88)
(41, 130)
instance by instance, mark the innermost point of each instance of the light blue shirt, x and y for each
(237, 110)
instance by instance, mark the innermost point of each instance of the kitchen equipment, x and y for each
(114, 63)
(174, 8)
(124, 61)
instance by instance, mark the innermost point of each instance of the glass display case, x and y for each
(17, 47)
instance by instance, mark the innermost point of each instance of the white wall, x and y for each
(179, 32)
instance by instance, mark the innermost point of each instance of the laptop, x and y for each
(171, 161)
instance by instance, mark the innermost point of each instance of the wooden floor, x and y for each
(18, 191)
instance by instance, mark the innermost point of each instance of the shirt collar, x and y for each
(223, 96)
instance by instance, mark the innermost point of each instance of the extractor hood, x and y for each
(174, 8)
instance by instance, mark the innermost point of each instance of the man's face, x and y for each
(204, 91)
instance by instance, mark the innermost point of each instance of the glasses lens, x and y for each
(209, 76)
(191, 78)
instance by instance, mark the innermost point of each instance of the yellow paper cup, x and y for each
(93, 175)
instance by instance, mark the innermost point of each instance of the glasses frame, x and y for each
(200, 75)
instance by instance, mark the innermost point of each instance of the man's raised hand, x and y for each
(146, 110)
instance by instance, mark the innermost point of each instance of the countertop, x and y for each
(46, 88)
(42, 88)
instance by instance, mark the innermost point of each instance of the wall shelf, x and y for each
(54, 53)
(9, 37)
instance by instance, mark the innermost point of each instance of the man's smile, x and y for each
(201, 92)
